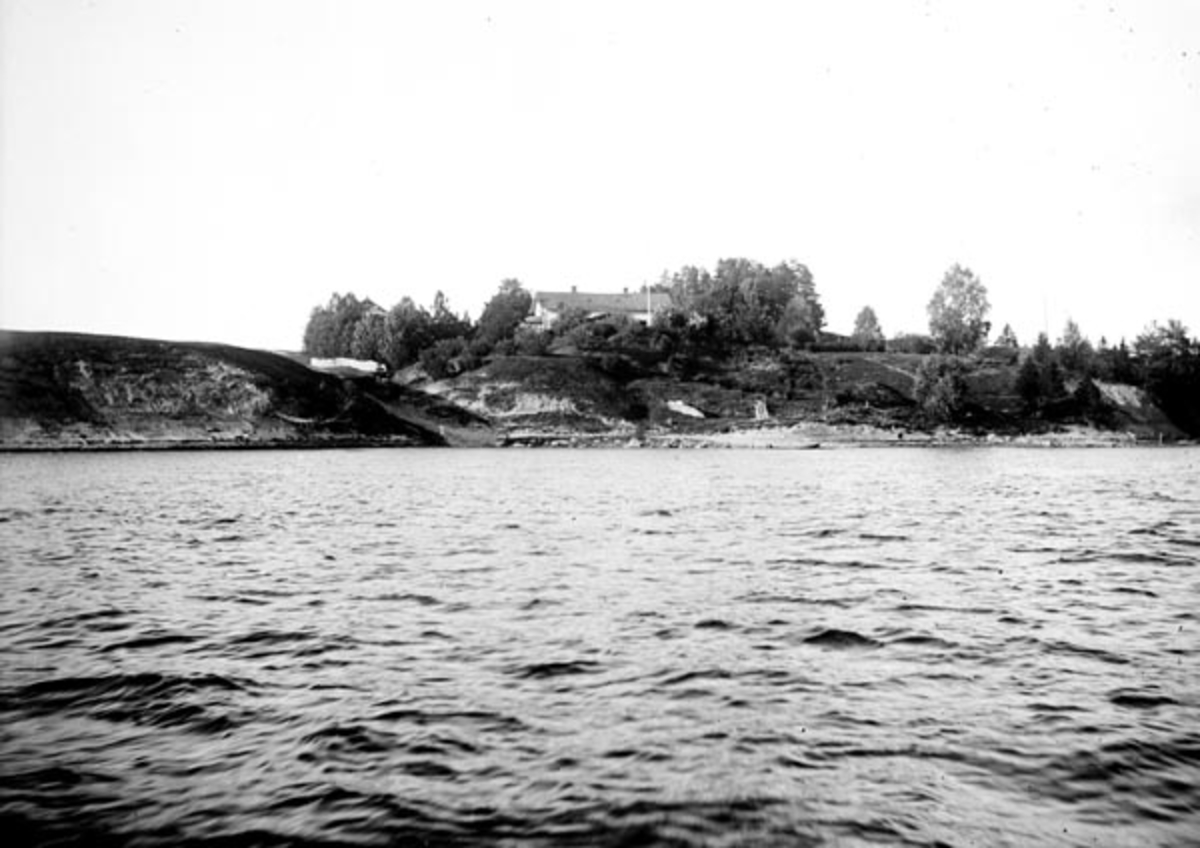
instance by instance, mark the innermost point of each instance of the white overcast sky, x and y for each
(213, 169)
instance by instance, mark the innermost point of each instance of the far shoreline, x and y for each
(748, 439)
(72, 393)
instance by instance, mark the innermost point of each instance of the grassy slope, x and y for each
(64, 389)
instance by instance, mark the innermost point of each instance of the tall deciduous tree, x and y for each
(765, 294)
(504, 313)
(407, 333)
(805, 296)
(320, 334)
(370, 336)
(867, 332)
(330, 330)
(958, 311)
(744, 301)
(688, 286)
(761, 305)
(801, 322)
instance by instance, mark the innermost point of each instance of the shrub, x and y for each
(592, 335)
(911, 343)
(836, 344)
(442, 359)
(941, 388)
(530, 341)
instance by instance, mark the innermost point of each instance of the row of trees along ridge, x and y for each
(742, 304)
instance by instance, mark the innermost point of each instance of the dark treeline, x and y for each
(408, 333)
(742, 306)
(1163, 360)
(741, 303)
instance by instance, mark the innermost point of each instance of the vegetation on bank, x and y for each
(743, 311)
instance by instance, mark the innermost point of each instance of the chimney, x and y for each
(626, 290)
(573, 290)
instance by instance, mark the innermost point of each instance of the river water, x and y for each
(433, 647)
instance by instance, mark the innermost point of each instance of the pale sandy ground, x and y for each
(809, 434)
(776, 436)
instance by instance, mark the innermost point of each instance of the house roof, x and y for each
(601, 302)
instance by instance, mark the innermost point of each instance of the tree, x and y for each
(1090, 401)
(801, 323)
(723, 305)
(406, 333)
(1029, 384)
(1170, 364)
(330, 330)
(504, 313)
(320, 333)
(688, 286)
(806, 313)
(1164, 344)
(444, 324)
(745, 302)
(958, 311)
(370, 336)
(1115, 364)
(1075, 352)
(1039, 379)
(867, 332)
(765, 295)
(348, 310)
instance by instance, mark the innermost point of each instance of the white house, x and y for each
(548, 307)
(344, 365)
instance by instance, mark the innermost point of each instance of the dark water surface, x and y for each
(856, 647)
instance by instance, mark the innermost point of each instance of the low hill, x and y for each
(70, 390)
(843, 396)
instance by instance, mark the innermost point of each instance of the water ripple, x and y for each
(590, 648)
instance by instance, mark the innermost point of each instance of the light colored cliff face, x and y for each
(554, 394)
(1123, 396)
(512, 406)
(196, 399)
(510, 400)
(61, 390)
(1141, 415)
(200, 387)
